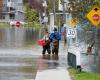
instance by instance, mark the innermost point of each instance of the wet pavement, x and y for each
(23, 64)
(88, 62)
(20, 58)
(17, 68)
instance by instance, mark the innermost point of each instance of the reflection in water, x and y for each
(48, 57)
(17, 65)
(50, 62)
(17, 68)
(14, 37)
(54, 62)
(12, 67)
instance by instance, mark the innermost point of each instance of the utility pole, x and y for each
(97, 54)
(54, 8)
(45, 19)
(53, 15)
(64, 16)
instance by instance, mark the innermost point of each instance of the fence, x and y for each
(71, 60)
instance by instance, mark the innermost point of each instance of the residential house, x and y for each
(11, 10)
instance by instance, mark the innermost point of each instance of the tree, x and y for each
(79, 8)
(31, 15)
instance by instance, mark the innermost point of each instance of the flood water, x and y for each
(17, 68)
(17, 37)
(20, 57)
(14, 63)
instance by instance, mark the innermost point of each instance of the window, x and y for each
(12, 9)
(12, 16)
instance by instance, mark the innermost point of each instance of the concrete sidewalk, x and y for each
(49, 69)
(53, 74)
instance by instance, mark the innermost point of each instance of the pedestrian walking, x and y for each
(47, 46)
(54, 38)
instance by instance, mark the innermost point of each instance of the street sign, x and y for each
(73, 22)
(18, 23)
(45, 19)
(71, 33)
(94, 16)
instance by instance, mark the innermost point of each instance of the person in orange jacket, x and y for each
(47, 46)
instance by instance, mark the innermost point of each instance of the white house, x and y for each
(13, 10)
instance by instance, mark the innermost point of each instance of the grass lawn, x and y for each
(75, 75)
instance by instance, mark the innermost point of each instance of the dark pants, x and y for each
(46, 48)
(55, 49)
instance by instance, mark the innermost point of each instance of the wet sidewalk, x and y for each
(53, 74)
(28, 64)
(52, 67)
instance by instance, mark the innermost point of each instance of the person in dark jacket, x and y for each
(54, 38)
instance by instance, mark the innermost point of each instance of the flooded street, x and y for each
(23, 64)
(15, 68)
(16, 62)
(41, 40)
(20, 58)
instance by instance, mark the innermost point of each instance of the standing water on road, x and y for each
(20, 58)
(15, 62)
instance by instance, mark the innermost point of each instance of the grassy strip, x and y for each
(30, 25)
(2, 25)
(75, 75)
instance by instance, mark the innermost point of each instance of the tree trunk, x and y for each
(98, 50)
